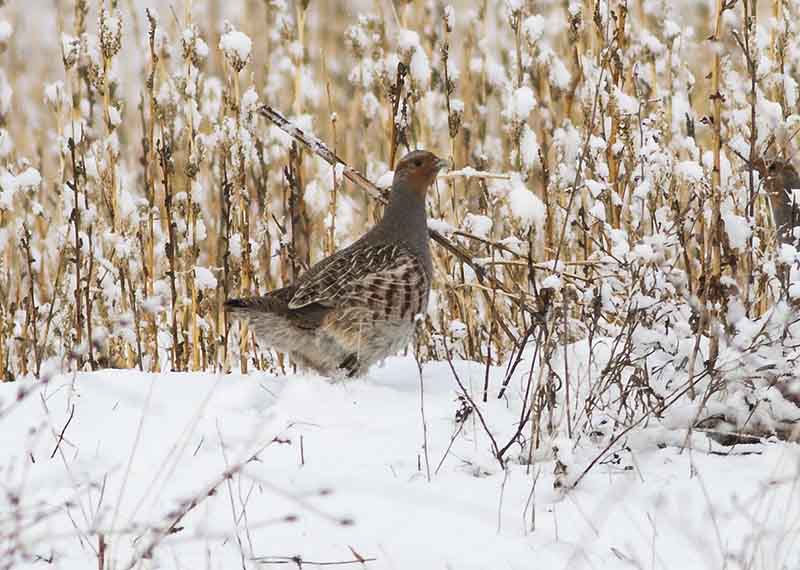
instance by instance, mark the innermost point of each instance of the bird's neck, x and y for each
(405, 220)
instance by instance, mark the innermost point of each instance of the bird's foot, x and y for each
(350, 365)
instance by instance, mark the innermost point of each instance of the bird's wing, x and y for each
(277, 303)
(387, 279)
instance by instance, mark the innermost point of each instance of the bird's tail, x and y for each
(275, 302)
(241, 307)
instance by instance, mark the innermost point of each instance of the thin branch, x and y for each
(63, 431)
(300, 561)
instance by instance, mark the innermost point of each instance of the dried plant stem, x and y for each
(165, 156)
(777, 50)
(191, 281)
(579, 167)
(223, 261)
(195, 309)
(713, 280)
(472, 173)
(51, 311)
(148, 144)
(299, 248)
(750, 14)
(465, 393)
(247, 271)
(76, 222)
(300, 12)
(332, 205)
(422, 417)
(395, 96)
(32, 316)
(111, 160)
(618, 78)
(135, 309)
(89, 277)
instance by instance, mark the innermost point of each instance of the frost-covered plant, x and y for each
(139, 188)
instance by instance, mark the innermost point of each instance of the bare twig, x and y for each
(468, 172)
(299, 561)
(63, 431)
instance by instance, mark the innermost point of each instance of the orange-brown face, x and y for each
(418, 169)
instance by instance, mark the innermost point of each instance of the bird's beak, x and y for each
(442, 164)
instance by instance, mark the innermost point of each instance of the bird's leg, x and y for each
(360, 329)
(350, 364)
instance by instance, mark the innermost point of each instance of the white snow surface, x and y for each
(522, 102)
(6, 30)
(348, 461)
(204, 278)
(526, 205)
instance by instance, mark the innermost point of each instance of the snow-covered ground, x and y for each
(632, 207)
(339, 471)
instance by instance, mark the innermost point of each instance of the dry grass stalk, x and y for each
(595, 128)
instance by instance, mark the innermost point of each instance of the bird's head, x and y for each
(418, 169)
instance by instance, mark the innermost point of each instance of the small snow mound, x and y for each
(203, 278)
(521, 103)
(478, 225)
(525, 205)
(236, 46)
(385, 181)
(690, 171)
(440, 226)
(5, 31)
(28, 177)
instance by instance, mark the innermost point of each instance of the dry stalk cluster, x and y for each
(141, 187)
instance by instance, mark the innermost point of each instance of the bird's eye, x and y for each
(418, 163)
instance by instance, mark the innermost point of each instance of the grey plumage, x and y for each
(780, 179)
(359, 305)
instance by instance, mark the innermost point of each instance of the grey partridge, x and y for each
(359, 305)
(780, 178)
